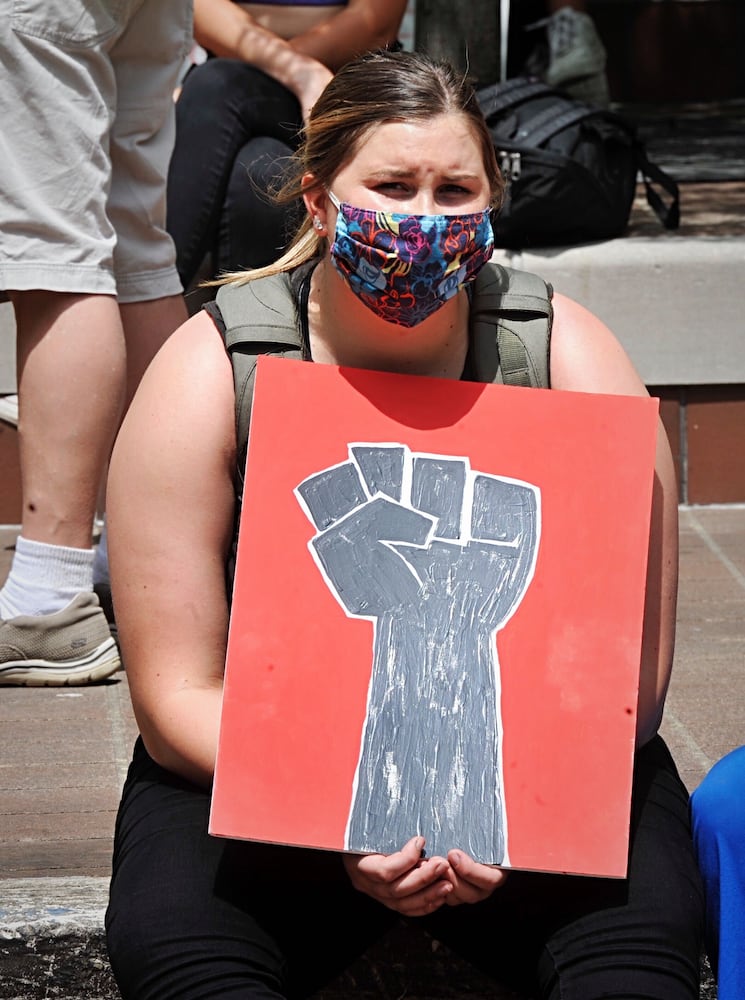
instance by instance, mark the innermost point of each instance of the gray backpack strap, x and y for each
(513, 307)
(517, 305)
(260, 318)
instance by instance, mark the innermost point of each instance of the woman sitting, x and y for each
(393, 137)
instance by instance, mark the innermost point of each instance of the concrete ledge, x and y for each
(51, 907)
(676, 304)
(52, 946)
(51, 939)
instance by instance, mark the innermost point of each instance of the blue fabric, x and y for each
(718, 812)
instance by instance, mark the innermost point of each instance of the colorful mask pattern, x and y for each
(405, 267)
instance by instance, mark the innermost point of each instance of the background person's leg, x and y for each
(224, 103)
(254, 229)
(71, 373)
(147, 326)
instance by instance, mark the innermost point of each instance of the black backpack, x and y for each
(570, 168)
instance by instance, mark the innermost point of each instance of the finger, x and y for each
(388, 868)
(418, 892)
(382, 869)
(425, 875)
(472, 882)
(421, 903)
(487, 877)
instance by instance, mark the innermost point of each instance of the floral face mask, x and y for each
(405, 267)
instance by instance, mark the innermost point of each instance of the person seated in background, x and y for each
(240, 113)
(395, 143)
(718, 811)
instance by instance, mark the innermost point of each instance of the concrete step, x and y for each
(672, 297)
(66, 753)
(676, 301)
(52, 945)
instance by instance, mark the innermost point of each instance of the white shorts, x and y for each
(86, 102)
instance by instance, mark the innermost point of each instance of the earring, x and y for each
(317, 223)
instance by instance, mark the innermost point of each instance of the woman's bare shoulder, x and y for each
(585, 354)
(186, 401)
(193, 360)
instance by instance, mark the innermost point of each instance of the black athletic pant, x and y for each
(236, 128)
(195, 916)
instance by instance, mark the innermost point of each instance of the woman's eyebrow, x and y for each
(407, 172)
(387, 172)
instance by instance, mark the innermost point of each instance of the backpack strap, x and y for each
(651, 173)
(260, 318)
(510, 310)
(517, 306)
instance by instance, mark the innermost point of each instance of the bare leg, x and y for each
(72, 369)
(147, 325)
(71, 376)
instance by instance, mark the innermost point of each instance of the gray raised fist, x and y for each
(438, 557)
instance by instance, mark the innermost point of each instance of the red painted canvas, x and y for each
(436, 621)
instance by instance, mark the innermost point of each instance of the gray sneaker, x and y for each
(73, 646)
(576, 56)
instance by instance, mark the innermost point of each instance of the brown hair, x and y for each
(374, 89)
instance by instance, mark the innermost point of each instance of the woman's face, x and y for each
(418, 168)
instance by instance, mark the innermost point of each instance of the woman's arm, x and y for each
(170, 506)
(362, 26)
(586, 357)
(226, 30)
(304, 63)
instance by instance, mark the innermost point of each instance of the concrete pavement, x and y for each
(65, 753)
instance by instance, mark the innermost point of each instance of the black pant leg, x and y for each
(575, 938)
(223, 105)
(193, 916)
(254, 228)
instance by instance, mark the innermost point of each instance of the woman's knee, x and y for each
(213, 82)
(173, 933)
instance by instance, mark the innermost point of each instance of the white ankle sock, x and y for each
(44, 578)
(101, 558)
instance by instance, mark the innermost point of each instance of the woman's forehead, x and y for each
(447, 141)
